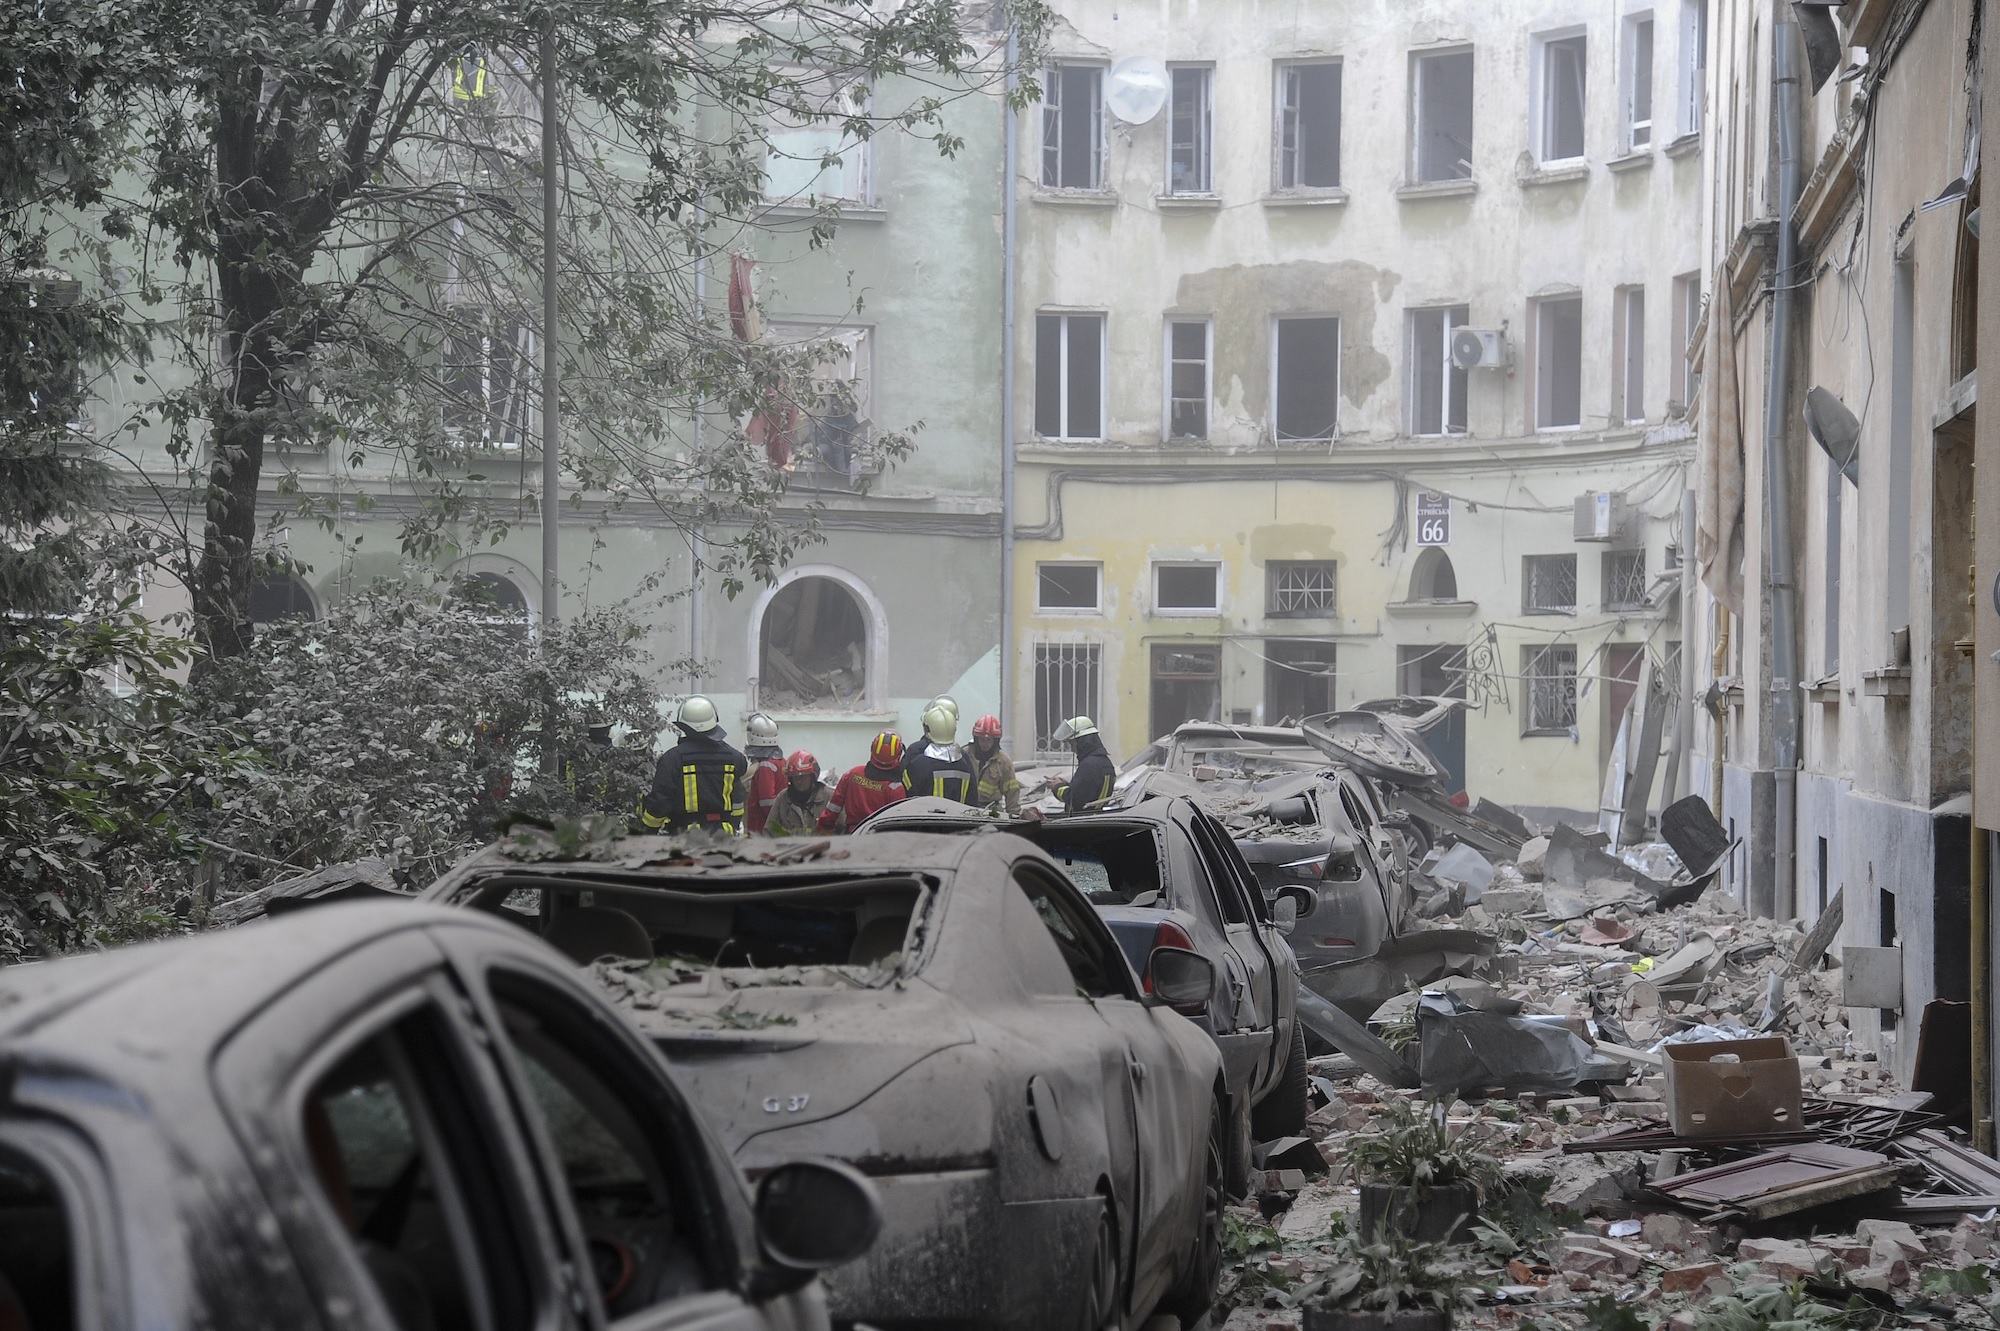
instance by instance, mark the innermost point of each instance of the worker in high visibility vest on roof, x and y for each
(468, 77)
(701, 781)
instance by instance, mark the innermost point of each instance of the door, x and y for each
(1269, 968)
(1439, 672)
(633, 1181)
(1245, 1036)
(1187, 684)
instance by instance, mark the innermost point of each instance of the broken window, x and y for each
(1559, 136)
(1299, 588)
(1693, 64)
(1548, 686)
(1187, 684)
(817, 148)
(1559, 363)
(1437, 386)
(286, 596)
(1190, 131)
(1188, 378)
(1066, 679)
(1309, 126)
(1432, 578)
(1548, 584)
(834, 400)
(1638, 83)
(1298, 680)
(814, 649)
(1306, 378)
(1629, 356)
(1687, 315)
(499, 597)
(1624, 579)
(1073, 127)
(1069, 376)
(489, 377)
(1067, 586)
(1441, 115)
(1187, 588)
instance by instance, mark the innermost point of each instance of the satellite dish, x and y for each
(1137, 89)
(1835, 430)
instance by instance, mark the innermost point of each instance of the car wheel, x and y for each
(1282, 1113)
(1104, 1278)
(1193, 1295)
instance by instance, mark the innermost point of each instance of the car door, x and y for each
(1242, 924)
(636, 1185)
(1140, 1077)
(367, 1103)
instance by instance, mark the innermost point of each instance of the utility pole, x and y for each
(551, 427)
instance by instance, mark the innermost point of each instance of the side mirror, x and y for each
(1285, 914)
(1179, 977)
(1304, 901)
(816, 1214)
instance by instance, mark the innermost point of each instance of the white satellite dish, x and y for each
(1137, 89)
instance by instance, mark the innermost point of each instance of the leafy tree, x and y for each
(349, 193)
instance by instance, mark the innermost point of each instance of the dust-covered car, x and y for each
(380, 1117)
(1162, 873)
(946, 1015)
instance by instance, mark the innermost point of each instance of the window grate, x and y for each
(1066, 685)
(1549, 585)
(1302, 588)
(1624, 579)
(1549, 674)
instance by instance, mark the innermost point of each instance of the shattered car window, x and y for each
(1112, 866)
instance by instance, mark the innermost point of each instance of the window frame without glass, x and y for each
(1628, 356)
(1446, 396)
(1549, 120)
(1066, 377)
(856, 155)
(1424, 114)
(1547, 366)
(1175, 401)
(1187, 610)
(1639, 62)
(852, 350)
(1057, 105)
(1278, 430)
(1293, 147)
(1687, 317)
(1096, 570)
(1692, 62)
(1191, 130)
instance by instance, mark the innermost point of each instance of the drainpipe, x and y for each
(1680, 772)
(1720, 664)
(1982, 981)
(1010, 134)
(1784, 694)
(695, 546)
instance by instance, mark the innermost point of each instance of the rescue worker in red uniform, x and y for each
(767, 778)
(700, 781)
(865, 789)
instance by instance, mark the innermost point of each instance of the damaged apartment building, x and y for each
(1842, 633)
(1347, 359)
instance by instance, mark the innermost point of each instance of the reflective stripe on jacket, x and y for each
(940, 770)
(767, 781)
(700, 782)
(861, 792)
(993, 779)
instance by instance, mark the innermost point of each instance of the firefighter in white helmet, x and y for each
(936, 765)
(767, 773)
(701, 781)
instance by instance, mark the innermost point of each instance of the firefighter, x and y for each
(993, 779)
(798, 806)
(865, 789)
(1095, 772)
(767, 776)
(938, 766)
(699, 782)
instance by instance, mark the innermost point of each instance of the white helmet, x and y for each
(940, 723)
(696, 715)
(950, 704)
(1075, 728)
(760, 730)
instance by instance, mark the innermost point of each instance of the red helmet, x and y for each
(886, 752)
(801, 763)
(987, 725)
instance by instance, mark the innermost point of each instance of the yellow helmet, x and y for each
(950, 704)
(696, 715)
(940, 723)
(1075, 728)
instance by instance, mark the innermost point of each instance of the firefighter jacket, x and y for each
(861, 792)
(1095, 774)
(700, 782)
(993, 779)
(940, 770)
(793, 815)
(767, 779)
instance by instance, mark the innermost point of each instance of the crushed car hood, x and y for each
(770, 1055)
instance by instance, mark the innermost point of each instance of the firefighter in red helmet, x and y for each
(993, 779)
(875, 785)
(797, 808)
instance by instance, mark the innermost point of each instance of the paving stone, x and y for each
(1690, 1279)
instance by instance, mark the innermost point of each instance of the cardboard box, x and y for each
(1733, 1088)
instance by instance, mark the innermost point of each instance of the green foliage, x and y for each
(408, 722)
(1391, 1272)
(1242, 1237)
(1419, 1150)
(1606, 1313)
(1517, 1219)
(1789, 1307)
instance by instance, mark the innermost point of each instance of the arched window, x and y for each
(280, 596)
(814, 649)
(499, 591)
(1432, 577)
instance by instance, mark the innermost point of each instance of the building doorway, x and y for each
(1298, 680)
(1187, 684)
(1438, 672)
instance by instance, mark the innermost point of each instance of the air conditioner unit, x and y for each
(1478, 348)
(1600, 515)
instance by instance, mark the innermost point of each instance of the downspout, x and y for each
(1981, 979)
(1718, 665)
(1680, 772)
(1010, 138)
(1784, 693)
(695, 549)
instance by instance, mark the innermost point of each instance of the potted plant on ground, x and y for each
(1386, 1284)
(1419, 1177)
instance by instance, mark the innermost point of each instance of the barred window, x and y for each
(1624, 579)
(1066, 685)
(1300, 588)
(1548, 682)
(1548, 584)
